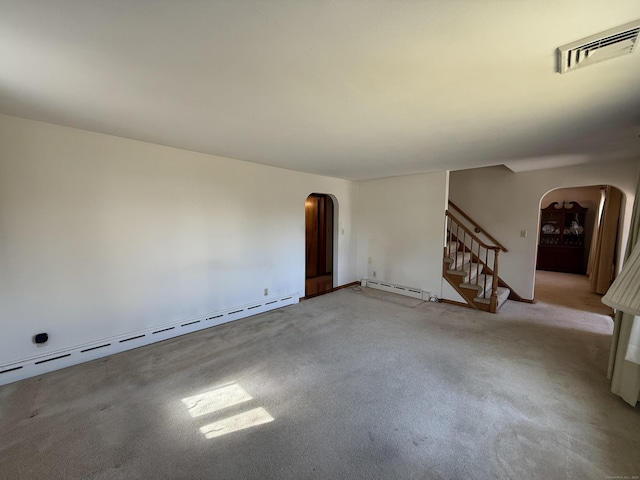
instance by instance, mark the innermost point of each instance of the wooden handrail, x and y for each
(495, 248)
(478, 228)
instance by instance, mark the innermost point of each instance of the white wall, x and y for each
(102, 236)
(505, 203)
(401, 229)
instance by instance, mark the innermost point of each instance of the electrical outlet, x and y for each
(266, 292)
(523, 233)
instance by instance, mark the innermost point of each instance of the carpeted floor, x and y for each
(356, 384)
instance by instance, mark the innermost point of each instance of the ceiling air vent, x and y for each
(612, 43)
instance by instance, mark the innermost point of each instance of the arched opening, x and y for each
(579, 238)
(319, 244)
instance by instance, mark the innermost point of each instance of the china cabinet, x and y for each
(561, 238)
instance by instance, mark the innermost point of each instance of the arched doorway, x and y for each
(319, 218)
(587, 225)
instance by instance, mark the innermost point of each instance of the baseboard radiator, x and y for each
(399, 289)
(38, 365)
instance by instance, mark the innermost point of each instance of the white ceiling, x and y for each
(351, 89)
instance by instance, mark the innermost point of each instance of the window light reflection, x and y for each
(251, 418)
(216, 399)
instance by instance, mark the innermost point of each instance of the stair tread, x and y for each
(458, 259)
(503, 294)
(468, 278)
(475, 269)
(484, 281)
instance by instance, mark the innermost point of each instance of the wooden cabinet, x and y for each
(561, 238)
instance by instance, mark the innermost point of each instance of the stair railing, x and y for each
(477, 228)
(467, 241)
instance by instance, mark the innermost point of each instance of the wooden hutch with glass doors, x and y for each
(561, 241)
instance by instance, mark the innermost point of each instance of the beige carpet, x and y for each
(356, 384)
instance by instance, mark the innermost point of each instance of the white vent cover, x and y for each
(612, 43)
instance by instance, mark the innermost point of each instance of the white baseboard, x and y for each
(37, 365)
(399, 289)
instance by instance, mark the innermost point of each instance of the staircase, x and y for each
(471, 265)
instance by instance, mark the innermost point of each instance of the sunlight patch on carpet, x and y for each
(216, 399)
(252, 418)
(221, 398)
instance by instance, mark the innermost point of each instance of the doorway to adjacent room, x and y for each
(579, 239)
(319, 216)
